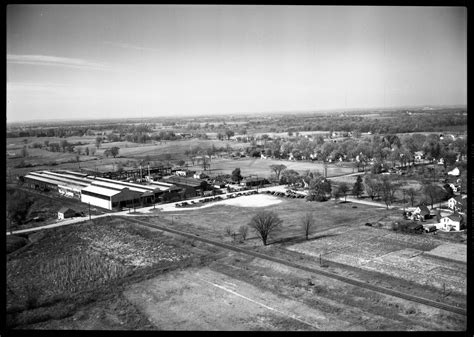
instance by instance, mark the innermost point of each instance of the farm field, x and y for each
(395, 254)
(53, 275)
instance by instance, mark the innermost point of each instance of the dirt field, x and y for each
(453, 251)
(396, 254)
(241, 293)
(206, 300)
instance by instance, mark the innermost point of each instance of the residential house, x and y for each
(457, 203)
(453, 222)
(421, 213)
(200, 175)
(455, 188)
(419, 155)
(454, 172)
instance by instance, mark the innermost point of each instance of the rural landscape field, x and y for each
(236, 168)
(200, 263)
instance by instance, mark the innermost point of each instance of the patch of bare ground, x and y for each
(113, 314)
(375, 277)
(361, 309)
(203, 299)
(397, 255)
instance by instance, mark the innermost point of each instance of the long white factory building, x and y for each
(101, 192)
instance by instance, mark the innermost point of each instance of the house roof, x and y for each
(65, 209)
(455, 217)
(424, 209)
(458, 198)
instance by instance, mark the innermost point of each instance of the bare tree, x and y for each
(412, 193)
(307, 224)
(433, 192)
(243, 231)
(278, 169)
(265, 223)
(388, 189)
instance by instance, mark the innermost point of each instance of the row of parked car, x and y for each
(216, 198)
(284, 194)
(239, 194)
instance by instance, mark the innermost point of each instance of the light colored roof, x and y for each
(101, 190)
(127, 184)
(43, 179)
(64, 178)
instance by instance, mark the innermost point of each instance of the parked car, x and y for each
(415, 228)
(429, 228)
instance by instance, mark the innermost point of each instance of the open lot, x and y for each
(238, 293)
(261, 167)
(213, 220)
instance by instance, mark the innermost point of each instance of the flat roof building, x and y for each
(110, 198)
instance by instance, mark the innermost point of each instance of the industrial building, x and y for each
(192, 187)
(110, 198)
(97, 191)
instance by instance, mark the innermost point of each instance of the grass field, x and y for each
(213, 220)
(261, 167)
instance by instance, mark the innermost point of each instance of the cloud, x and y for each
(45, 60)
(129, 46)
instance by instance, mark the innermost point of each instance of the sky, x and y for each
(116, 61)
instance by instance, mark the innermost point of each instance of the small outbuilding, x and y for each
(66, 212)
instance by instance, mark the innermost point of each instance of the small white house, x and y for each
(421, 212)
(453, 187)
(200, 175)
(453, 222)
(66, 212)
(419, 155)
(454, 172)
(181, 173)
(457, 204)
